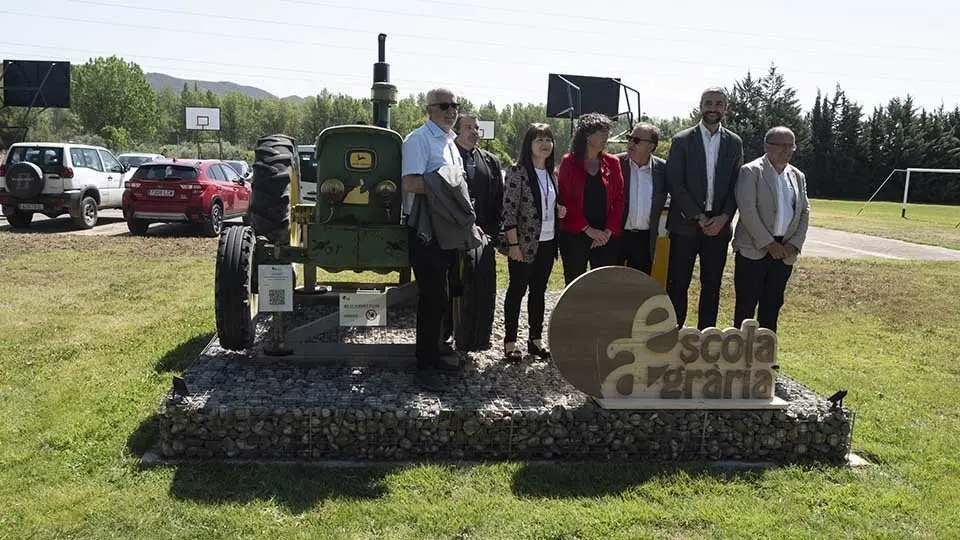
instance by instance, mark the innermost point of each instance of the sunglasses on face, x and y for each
(445, 106)
(638, 140)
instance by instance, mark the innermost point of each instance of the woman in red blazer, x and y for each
(590, 186)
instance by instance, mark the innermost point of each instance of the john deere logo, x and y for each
(360, 160)
(614, 336)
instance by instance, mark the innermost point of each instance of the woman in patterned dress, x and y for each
(531, 218)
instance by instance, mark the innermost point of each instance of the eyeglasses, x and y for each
(445, 106)
(638, 140)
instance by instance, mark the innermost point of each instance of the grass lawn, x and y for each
(92, 328)
(925, 223)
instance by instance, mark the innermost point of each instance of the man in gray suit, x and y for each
(702, 171)
(645, 193)
(774, 214)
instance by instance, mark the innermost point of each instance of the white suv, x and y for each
(59, 178)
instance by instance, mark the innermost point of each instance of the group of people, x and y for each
(595, 209)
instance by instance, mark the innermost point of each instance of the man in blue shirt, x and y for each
(425, 150)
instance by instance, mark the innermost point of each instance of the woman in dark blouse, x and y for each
(590, 186)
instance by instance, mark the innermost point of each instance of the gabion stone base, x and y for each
(251, 408)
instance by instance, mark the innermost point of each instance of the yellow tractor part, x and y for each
(295, 231)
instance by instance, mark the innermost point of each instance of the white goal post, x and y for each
(906, 185)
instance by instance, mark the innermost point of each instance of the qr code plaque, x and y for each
(276, 297)
(276, 288)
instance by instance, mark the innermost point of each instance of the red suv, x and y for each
(187, 190)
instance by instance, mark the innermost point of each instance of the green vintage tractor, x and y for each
(353, 225)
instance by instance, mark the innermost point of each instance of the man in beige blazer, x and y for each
(774, 213)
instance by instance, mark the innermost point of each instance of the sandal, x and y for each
(512, 353)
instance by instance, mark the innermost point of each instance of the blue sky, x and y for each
(502, 51)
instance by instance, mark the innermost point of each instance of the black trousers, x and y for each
(635, 250)
(431, 268)
(760, 282)
(477, 303)
(532, 276)
(576, 253)
(684, 251)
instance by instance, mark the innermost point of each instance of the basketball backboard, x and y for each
(203, 118)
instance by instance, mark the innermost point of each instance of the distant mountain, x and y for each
(159, 81)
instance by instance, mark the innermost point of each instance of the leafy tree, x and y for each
(115, 93)
(756, 105)
(238, 122)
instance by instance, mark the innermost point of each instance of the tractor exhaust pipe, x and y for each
(382, 94)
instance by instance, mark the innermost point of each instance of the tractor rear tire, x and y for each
(474, 308)
(275, 166)
(234, 302)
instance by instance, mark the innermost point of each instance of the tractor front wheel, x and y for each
(234, 300)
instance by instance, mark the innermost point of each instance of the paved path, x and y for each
(820, 242)
(845, 245)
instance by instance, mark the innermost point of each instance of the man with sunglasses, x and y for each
(774, 214)
(645, 194)
(425, 150)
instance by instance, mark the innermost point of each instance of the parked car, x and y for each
(242, 167)
(59, 178)
(132, 160)
(184, 190)
(308, 172)
(135, 159)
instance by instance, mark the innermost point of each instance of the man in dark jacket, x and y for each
(702, 170)
(644, 195)
(479, 266)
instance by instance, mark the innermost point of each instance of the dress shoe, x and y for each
(538, 350)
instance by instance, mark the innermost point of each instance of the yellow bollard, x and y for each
(662, 255)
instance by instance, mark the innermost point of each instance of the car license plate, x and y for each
(31, 206)
(160, 193)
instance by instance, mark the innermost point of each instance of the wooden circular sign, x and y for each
(614, 336)
(598, 308)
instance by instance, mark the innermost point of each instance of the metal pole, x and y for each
(906, 188)
(878, 190)
(309, 270)
(276, 342)
(37, 93)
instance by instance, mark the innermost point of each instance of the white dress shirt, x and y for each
(548, 204)
(641, 196)
(711, 146)
(786, 203)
